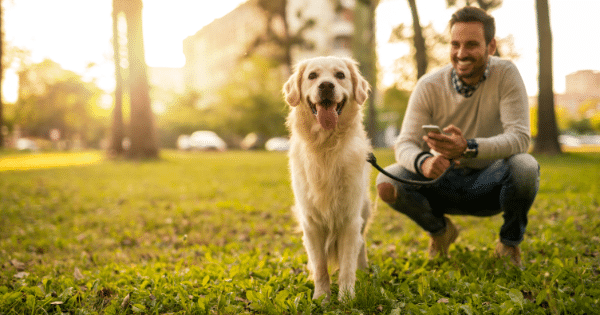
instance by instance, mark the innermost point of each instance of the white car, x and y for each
(277, 144)
(26, 144)
(570, 141)
(206, 140)
(183, 142)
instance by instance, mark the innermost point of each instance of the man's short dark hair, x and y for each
(474, 14)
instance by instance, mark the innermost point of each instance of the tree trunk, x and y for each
(1, 75)
(142, 133)
(364, 52)
(117, 134)
(547, 137)
(288, 47)
(419, 41)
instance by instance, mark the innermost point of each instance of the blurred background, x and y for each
(132, 77)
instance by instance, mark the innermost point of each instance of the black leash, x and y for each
(371, 159)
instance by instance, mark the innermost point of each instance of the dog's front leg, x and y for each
(363, 263)
(314, 242)
(349, 248)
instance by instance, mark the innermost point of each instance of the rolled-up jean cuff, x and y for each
(510, 243)
(440, 231)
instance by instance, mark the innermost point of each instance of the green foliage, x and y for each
(184, 117)
(582, 126)
(212, 233)
(277, 42)
(566, 123)
(252, 100)
(438, 44)
(437, 49)
(51, 97)
(395, 102)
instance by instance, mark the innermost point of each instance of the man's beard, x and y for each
(478, 69)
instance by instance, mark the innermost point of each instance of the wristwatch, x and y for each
(471, 150)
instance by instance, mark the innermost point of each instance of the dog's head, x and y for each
(326, 85)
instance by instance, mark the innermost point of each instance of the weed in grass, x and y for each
(212, 233)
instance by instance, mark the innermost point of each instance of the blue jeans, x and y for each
(507, 186)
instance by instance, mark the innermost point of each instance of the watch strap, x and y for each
(472, 149)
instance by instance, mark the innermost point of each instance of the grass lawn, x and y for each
(212, 233)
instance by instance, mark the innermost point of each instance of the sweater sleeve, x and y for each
(514, 116)
(409, 145)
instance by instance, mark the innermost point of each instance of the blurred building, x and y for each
(214, 51)
(583, 82)
(168, 79)
(333, 29)
(166, 84)
(582, 88)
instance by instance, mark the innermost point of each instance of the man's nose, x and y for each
(461, 52)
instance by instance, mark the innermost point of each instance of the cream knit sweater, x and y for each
(496, 115)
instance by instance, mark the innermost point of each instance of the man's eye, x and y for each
(312, 76)
(340, 75)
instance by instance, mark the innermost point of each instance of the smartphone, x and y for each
(431, 128)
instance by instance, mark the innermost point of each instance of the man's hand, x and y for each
(449, 146)
(434, 166)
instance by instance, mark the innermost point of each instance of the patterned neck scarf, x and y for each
(465, 89)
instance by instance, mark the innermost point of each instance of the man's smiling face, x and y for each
(469, 52)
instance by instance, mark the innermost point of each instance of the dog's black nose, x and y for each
(326, 92)
(325, 85)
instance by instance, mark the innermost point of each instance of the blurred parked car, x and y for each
(183, 142)
(206, 140)
(570, 141)
(277, 144)
(24, 144)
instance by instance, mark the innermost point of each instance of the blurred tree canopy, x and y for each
(254, 105)
(394, 106)
(437, 45)
(437, 51)
(278, 41)
(51, 97)
(581, 122)
(246, 105)
(183, 117)
(486, 5)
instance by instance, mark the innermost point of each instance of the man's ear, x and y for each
(361, 86)
(492, 46)
(291, 88)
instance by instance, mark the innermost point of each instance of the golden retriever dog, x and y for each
(330, 175)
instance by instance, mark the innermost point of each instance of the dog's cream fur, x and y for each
(329, 171)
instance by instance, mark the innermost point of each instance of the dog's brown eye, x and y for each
(340, 75)
(312, 76)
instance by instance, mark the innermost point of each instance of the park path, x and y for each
(48, 160)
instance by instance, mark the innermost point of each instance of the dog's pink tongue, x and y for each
(327, 117)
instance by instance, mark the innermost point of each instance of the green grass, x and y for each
(212, 233)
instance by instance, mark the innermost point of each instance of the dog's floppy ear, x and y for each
(291, 88)
(361, 86)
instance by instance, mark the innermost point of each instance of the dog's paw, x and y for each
(322, 296)
(346, 291)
